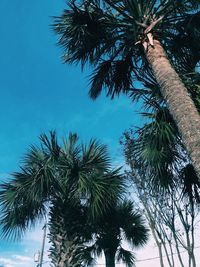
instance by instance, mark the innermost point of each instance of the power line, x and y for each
(148, 259)
(164, 256)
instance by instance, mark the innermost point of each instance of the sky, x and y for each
(38, 94)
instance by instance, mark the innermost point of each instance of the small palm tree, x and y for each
(130, 40)
(57, 179)
(119, 224)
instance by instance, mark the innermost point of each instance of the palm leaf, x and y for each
(191, 183)
(127, 257)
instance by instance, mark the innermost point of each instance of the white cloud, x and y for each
(17, 261)
(9, 262)
(23, 258)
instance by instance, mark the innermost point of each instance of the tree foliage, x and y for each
(69, 183)
(121, 223)
(109, 35)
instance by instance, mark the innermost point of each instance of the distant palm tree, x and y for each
(55, 180)
(126, 40)
(120, 223)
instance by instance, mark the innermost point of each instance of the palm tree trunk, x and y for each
(178, 99)
(109, 257)
(65, 253)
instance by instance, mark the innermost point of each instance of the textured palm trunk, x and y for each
(60, 251)
(178, 99)
(67, 247)
(64, 252)
(110, 258)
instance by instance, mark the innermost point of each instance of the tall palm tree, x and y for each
(55, 180)
(124, 40)
(120, 223)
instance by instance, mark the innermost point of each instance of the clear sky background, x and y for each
(39, 94)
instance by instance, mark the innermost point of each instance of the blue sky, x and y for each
(38, 94)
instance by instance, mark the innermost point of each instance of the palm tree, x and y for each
(125, 40)
(53, 181)
(156, 147)
(157, 150)
(118, 224)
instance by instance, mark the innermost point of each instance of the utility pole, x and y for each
(43, 244)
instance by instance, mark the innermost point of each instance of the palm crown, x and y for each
(72, 172)
(109, 35)
(121, 222)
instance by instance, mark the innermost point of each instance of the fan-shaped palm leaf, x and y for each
(126, 256)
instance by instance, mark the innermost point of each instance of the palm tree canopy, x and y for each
(109, 36)
(122, 216)
(156, 147)
(50, 172)
(157, 152)
(121, 222)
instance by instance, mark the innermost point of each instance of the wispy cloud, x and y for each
(8, 262)
(22, 258)
(18, 260)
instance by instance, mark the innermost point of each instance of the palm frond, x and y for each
(88, 253)
(126, 256)
(18, 210)
(105, 189)
(158, 148)
(115, 76)
(133, 228)
(95, 155)
(191, 189)
(84, 33)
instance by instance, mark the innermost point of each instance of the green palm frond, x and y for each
(71, 147)
(89, 255)
(86, 258)
(112, 75)
(87, 29)
(23, 200)
(95, 155)
(119, 223)
(158, 147)
(191, 188)
(126, 256)
(133, 228)
(19, 211)
(49, 144)
(109, 186)
(186, 53)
